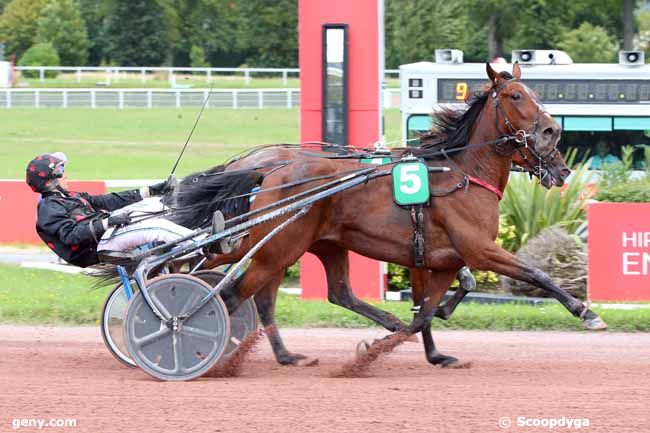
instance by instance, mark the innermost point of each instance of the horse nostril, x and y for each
(565, 172)
(549, 131)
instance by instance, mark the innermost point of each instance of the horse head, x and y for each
(534, 134)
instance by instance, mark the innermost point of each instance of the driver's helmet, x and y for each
(43, 169)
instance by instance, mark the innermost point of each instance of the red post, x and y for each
(18, 209)
(364, 19)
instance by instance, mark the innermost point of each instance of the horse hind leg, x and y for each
(265, 301)
(262, 281)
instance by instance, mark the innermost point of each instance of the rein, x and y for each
(520, 138)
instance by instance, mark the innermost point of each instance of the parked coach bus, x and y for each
(601, 107)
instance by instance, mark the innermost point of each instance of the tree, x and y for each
(421, 26)
(628, 24)
(588, 44)
(500, 18)
(642, 39)
(18, 25)
(42, 54)
(197, 57)
(171, 9)
(603, 13)
(3, 4)
(95, 13)
(541, 23)
(220, 27)
(61, 25)
(136, 33)
(272, 29)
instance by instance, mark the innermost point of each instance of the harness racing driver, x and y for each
(76, 225)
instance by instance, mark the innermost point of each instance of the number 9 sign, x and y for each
(461, 91)
(410, 183)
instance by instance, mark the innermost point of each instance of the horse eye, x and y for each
(516, 96)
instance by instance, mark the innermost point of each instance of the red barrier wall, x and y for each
(18, 209)
(619, 252)
(362, 18)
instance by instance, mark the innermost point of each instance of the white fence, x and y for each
(115, 74)
(148, 98)
(158, 98)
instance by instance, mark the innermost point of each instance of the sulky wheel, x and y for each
(111, 325)
(197, 343)
(242, 322)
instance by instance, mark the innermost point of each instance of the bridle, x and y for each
(522, 138)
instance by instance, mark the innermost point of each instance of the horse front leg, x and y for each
(427, 292)
(491, 257)
(467, 283)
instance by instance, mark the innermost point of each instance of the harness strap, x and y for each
(417, 216)
(484, 184)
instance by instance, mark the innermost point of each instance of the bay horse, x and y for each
(503, 124)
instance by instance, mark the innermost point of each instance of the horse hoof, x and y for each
(362, 348)
(594, 324)
(397, 326)
(443, 360)
(307, 362)
(466, 279)
(291, 359)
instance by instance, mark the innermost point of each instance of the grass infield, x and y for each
(143, 143)
(29, 296)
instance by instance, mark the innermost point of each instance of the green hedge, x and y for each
(636, 191)
(42, 54)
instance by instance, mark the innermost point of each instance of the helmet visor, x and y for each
(59, 168)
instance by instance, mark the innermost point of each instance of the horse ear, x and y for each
(494, 75)
(516, 71)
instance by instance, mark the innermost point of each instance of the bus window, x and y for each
(606, 146)
(416, 125)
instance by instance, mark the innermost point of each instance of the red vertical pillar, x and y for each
(18, 206)
(365, 68)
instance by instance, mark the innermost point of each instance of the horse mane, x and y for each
(451, 127)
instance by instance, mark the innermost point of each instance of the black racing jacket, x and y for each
(70, 222)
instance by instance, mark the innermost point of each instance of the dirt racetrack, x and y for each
(67, 373)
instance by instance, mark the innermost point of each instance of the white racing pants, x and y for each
(154, 229)
(129, 237)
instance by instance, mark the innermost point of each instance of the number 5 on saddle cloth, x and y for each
(410, 183)
(411, 188)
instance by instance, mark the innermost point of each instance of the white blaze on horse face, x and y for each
(526, 106)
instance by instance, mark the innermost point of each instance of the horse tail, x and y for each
(199, 196)
(106, 274)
